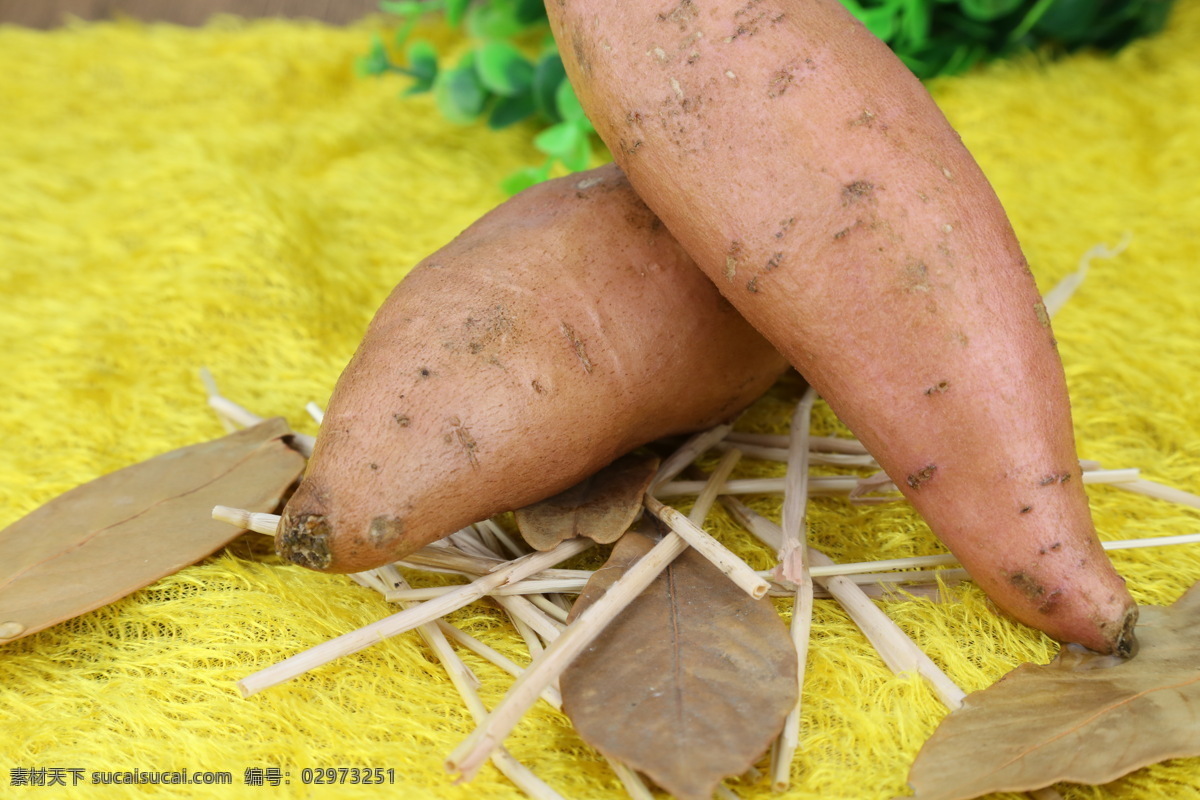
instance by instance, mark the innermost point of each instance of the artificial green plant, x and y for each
(511, 72)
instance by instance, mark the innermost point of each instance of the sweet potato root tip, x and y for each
(1126, 641)
(304, 540)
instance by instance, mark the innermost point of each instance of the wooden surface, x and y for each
(51, 13)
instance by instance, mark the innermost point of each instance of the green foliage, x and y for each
(501, 81)
(459, 92)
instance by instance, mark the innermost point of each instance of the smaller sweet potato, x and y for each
(558, 332)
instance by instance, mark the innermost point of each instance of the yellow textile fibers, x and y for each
(235, 197)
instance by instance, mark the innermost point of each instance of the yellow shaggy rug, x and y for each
(234, 197)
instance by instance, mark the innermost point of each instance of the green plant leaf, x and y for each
(914, 23)
(511, 110)
(503, 69)
(547, 76)
(531, 12)
(560, 141)
(455, 10)
(567, 103)
(580, 157)
(879, 21)
(408, 8)
(986, 10)
(963, 58)
(459, 94)
(523, 178)
(495, 19)
(422, 66)
(1068, 20)
(375, 62)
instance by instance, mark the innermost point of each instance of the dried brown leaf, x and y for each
(601, 507)
(691, 683)
(100, 541)
(1082, 718)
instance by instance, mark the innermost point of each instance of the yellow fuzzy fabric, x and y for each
(234, 197)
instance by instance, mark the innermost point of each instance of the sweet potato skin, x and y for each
(816, 182)
(561, 330)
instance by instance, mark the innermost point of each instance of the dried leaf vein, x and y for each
(1091, 719)
(142, 512)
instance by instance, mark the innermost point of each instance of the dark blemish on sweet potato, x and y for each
(1039, 309)
(537, 386)
(750, 19)
(784, 227)
(385, 530)
(1050, 602)
(731, 259)
(916, 277)
(630, 148)
(581, 57)
(922, 476)
(774, 261)
(856, 191)
(842, 234)
(424, 372)
(578, 345)
(1059, 477)
(867, 119)
(937, 388)
(1056, 546)
(373, 466)
(467, 442)
(1026, 585)
(752, 285)
(681, 15)
(746, 9)
(1026, 510)
(305, 541)
(402, 420)
(780, 82)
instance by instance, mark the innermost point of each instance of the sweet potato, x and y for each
(558, 332)
(817, 183)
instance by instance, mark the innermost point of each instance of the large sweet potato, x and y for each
(560, 331)
(816, 182)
